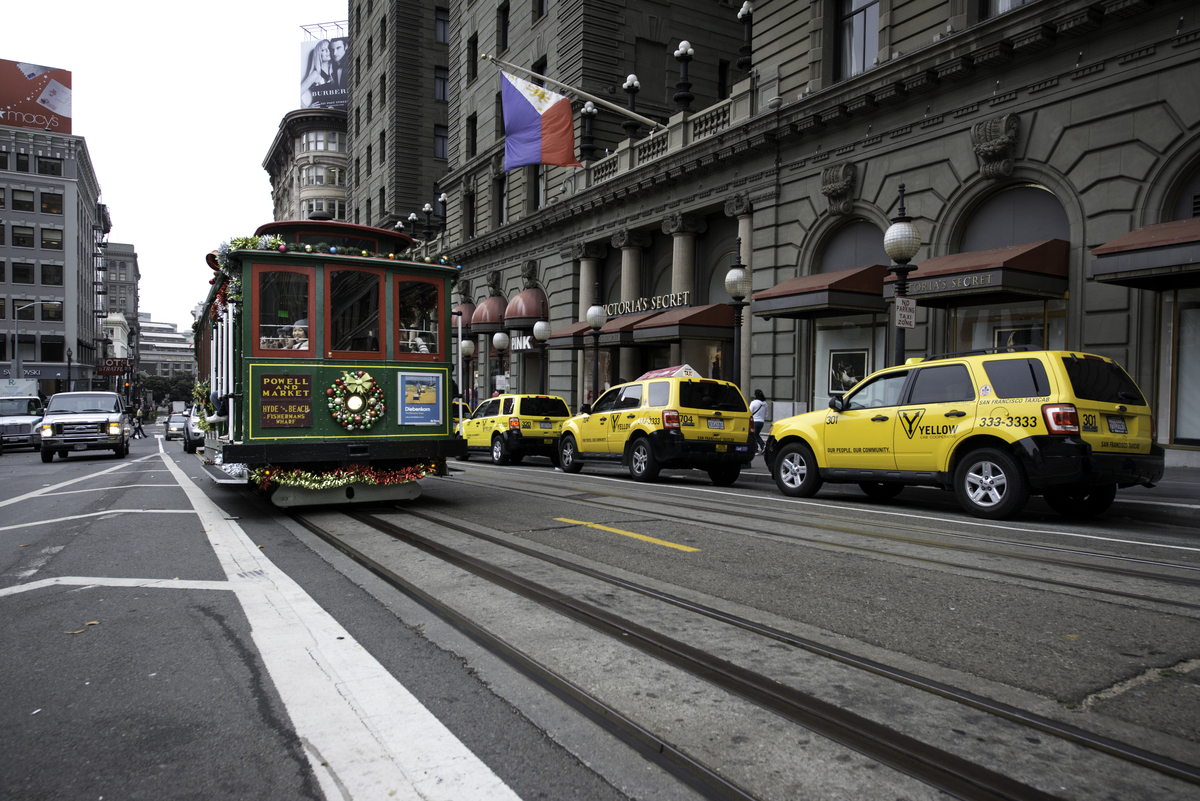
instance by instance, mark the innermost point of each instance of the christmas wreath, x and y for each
(265, 477)
(356, 401)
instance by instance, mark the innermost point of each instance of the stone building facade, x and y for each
(307, 164)
(1027, 136)
(397, 114)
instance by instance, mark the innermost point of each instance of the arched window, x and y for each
(858, 244)
(1015, 216)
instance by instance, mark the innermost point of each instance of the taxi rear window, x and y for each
(1103, 381)
(544, 407)
(1018, 378)
(711, 396)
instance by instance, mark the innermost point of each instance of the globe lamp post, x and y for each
(596, 318)
(738, 285)
(901, 242)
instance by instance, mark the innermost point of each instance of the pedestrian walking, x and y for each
(758, 411)
(138, 433)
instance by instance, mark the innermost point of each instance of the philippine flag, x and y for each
(539, 127)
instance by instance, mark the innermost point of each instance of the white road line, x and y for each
(110, 489)
(100, 514)
(45, 490)
(366, 736)
(923, 517)
(1160, 503)
(98, 581)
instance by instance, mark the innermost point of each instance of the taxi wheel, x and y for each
(642, 464)
(568, 455)
(724, 475)
(499, 451)
(1081, 502)
(796, 471)
(990, 484)
(47, 455)
(881, 490)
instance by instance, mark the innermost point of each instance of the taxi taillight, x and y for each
(670, 419)
(1061, 418)
(514, 423)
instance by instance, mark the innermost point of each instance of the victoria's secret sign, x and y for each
(286, 401)
(656, 303)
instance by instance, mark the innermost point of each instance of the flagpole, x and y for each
(598, 100)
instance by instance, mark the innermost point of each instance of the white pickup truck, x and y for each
(85, 421)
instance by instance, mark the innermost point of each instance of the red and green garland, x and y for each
(356, 401)
(265, 477)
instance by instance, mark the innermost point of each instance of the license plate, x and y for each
(713, 423)
(545, 425)
(1117, 425)
(81, 447)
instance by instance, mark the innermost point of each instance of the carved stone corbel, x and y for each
(464, 290)
(497, 165)
(627, 238)
(684, 224)
(995, 143)
(738, 206)
(495, 281)
(529, 274)
(837, 184)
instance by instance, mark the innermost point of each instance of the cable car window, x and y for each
(354, 311)
(417, 317)
(283, 311)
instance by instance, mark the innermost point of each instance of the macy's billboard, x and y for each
(33, 96)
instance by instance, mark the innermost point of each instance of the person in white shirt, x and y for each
(758, 411)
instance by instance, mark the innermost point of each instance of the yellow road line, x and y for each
(642, 537)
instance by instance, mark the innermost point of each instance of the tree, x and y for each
(158, 386)
(181, 387)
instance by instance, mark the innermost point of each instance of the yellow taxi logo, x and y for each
(911, 418)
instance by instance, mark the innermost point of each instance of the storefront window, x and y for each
(354, 311)
(1031, 325)
(283, 311)
(416, 317)
(1186, 414)
(848, 350)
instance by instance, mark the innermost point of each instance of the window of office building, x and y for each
(52, 275)
(383, 32)
(382, 147)
(441, 83)
(441, 25)
(858, 37)
(22, 273)
(439, 142)
(24, 308)
(51, 203)
(539, 9)
(369, 163)
(53, 349)
(502, 27)
(52, 239)
(469, 214)
(47, 166)
(992, 8)
(368, 211)
(383, 91)
(3, 166)
(473, 58)
(370, 108)
(52, 312)
(472, 133)
(22, 236)
(498, 115)
(22, 162)
(3, 316)
(500, 199)
(22, 200)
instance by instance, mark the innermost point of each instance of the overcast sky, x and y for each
(179, 103)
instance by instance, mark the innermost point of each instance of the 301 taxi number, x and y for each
(1007, 422)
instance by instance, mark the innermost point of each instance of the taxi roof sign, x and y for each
(679, 371)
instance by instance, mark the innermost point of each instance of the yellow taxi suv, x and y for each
(663, 420)
(993, 426)
(511, 427)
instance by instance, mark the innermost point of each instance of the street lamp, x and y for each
(738, 285)
(744, 53)
(541, 332)
(684, 97)
(631, 86)
(428, 209)
(587, 146)
(69, 355)
(442, 202)
(901, 242)
(412, 225)
(500, 343)
(466, 347)
(596, 318)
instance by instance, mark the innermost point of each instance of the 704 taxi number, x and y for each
(1007, 422)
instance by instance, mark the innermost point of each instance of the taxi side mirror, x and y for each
(835, 404)
(585, 408)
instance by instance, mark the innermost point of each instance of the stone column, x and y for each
(589, 256)
(631, 244)
(683, 229)
(739, 206)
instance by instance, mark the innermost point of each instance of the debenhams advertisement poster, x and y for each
(325, 68)
(33, 96)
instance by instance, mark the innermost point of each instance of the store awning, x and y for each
(489, 316)
(619, 330)
(468, 311)
(573, 337)
(854, 291)
(1032, 270)
(688, 322)
(1157, 257)
(525, 309)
